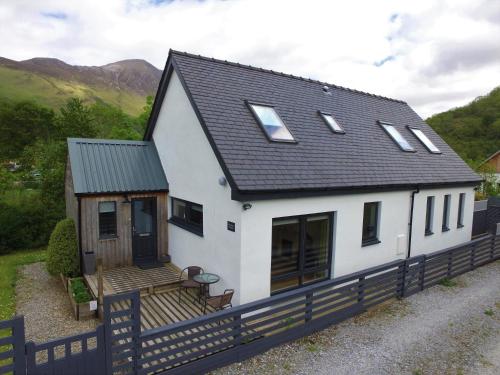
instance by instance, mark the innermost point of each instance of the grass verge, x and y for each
(8, 276)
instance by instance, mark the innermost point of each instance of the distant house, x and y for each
(274, 181)
(494, 162)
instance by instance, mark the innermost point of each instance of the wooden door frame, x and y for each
(155, 226)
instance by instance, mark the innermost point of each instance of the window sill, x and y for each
(460, 226)
(429, 233)
(370, 242)
(107, 238)
(187, 227)
(446, 229)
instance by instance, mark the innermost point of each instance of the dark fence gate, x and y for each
(218, 339)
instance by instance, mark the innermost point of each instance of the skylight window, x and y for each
(272, 124)
(332, 123)
(426, 141)
(397, 137)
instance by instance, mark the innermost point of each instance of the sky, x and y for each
(435, 55)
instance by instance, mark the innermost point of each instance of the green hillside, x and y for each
(473, 131)
(17, 85)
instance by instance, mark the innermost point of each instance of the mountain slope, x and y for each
(473, 131)
(51, 82)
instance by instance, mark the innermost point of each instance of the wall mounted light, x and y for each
(222, 181)
(127, 200)
(247, 206)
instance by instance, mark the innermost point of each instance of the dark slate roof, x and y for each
(101, 166)
(363, 157)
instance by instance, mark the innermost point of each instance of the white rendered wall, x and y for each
(348, 254)
(193, 171)
(440, 240)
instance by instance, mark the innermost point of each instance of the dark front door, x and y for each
(144, 230)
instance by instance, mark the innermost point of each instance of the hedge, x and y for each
(62, 252)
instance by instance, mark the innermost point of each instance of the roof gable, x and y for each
(101, 166)
(363, 157)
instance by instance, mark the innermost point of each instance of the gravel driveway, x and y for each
(45, 305)
(443, 330)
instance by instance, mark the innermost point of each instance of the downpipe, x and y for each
(410, 223)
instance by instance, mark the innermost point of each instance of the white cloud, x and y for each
(439, 54)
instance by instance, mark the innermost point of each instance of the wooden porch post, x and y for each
(100, 282)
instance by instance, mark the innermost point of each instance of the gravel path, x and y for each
(443, 330)
(45, 305)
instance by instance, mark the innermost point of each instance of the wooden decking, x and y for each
(160, 309)
(124, 279)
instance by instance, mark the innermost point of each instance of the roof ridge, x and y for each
(254, 68)
(109, 141)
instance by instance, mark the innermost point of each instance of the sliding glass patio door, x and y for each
(301, 250)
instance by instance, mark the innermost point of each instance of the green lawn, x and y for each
(8, 276)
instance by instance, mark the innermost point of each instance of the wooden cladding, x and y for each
(117, 251)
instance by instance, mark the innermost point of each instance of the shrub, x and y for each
(25, 222)
(79, 290)
(62, 252)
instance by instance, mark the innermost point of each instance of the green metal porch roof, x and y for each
(105, 166)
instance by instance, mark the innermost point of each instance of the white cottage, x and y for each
(276, 181)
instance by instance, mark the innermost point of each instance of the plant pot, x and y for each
(84, 310)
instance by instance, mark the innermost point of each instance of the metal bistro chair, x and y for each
(189, 283)
(219, 302)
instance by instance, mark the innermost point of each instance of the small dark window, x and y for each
(446, 213)
(187, 215)
(107, 220)
(460, 218)
(429, 216)
(370, 223)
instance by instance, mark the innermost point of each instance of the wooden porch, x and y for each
(125, 279)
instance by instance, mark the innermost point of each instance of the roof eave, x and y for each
(255, 195)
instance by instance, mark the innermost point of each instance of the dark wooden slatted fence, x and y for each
(217, 339)
(81, 354)
(12, 353)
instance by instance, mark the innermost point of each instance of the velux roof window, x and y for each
(331, 122)
(426, 141)
(272, 124)
(396, 136)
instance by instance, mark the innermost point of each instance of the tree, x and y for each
(146, 112)
(75, 120)
(21, 124)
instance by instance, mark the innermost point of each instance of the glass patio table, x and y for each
(205, 279)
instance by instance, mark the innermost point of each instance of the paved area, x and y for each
(443, 330)
(45, 305)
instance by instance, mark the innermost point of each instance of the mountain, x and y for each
(51, 82)
(473, 130)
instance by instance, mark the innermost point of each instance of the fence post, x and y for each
(473, 257)
(101, 348)
(450, 256)
(135, 328)
(404, 268)
(492, 247)
(309, 301)
(422, 272)
(19, 345)
(237, 334)
(361, 289)
(30, 357)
